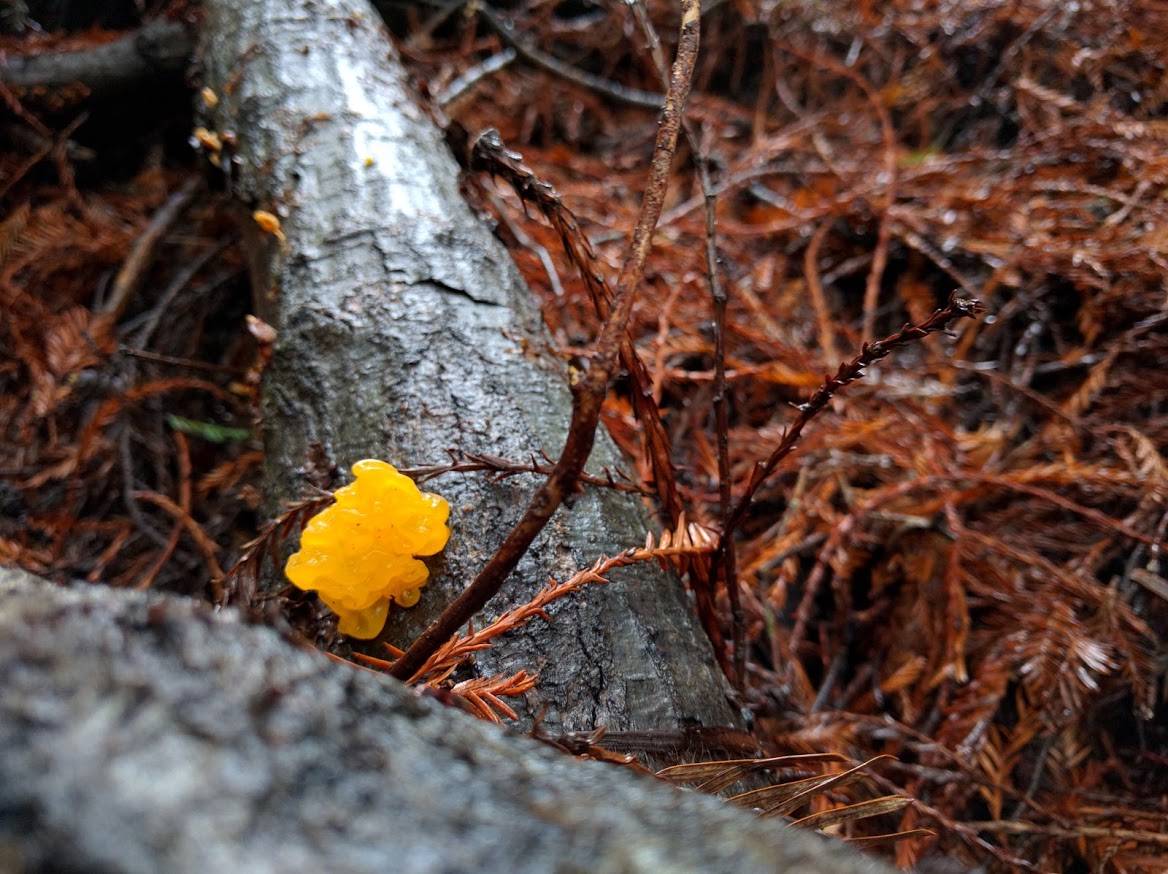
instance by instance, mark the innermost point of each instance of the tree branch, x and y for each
(588, 387)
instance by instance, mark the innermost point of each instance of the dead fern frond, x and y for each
(228, 473)
(241, 581)
(854, 812)
(10, 230)
(483, 695)
(689, 540)
(714, 777)
(782, 799)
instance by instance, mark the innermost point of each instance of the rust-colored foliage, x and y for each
(958, 567)
(960, 563)
(122, 302)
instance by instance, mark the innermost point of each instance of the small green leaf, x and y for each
(208, 430)
(915, 159)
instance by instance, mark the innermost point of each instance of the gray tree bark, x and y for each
(404, 329)
(142, 733)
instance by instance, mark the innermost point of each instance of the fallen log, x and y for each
(159, 48)
(404, 329)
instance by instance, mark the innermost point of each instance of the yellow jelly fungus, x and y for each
(359, 553)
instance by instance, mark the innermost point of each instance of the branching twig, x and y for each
(848, 372)
(589, 387)
(490, 154)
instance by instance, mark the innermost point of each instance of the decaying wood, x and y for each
(405, 329)
(161, 47)
(141, 733)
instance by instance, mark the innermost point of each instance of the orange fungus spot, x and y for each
(361, 553)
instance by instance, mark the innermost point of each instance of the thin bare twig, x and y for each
(621, 93)
(184, 503)
(815, 288)
(589, 387)
(133, 273)
(725, 560)
(473, 76)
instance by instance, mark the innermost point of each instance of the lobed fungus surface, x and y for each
(360, 553)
